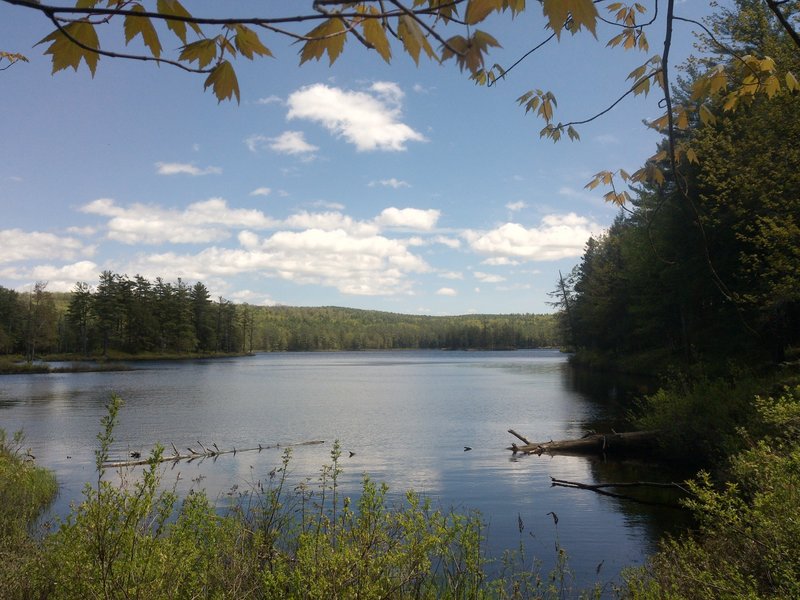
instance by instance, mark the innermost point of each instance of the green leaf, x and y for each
(224, 81)
(142, 26)
(66, 53)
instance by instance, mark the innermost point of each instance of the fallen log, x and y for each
(595, 443)
(195, 455)
(601, 488)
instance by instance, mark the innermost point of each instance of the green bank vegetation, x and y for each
(698, 282)
(132, 318)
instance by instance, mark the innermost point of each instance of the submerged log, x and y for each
(596, 443)
(206, 453)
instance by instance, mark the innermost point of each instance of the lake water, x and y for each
(406, 416)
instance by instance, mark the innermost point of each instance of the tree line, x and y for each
(136, 316)
(706, 266)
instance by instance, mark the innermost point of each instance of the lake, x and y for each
(406, 415)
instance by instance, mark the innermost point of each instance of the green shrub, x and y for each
(748, 540)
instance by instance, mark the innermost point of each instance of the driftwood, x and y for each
(205, 452)
(594, 443)
(600, 488)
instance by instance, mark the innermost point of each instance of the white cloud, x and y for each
(515, 206)
(451, 275)
(328, 205)
(292, 142)
(21, 245)
(370, 121)
(163, 168)
(499, 261)
(446, 291)
(84, 231)
(251, 297)
(289, 142)
(200, 222)
(372, 265)
(262, 191)
(447, 241)
(557, 237)
(411, 218)
(58, 278)
(488, 277)
(272, 99)
(329, 221)
(391, 182)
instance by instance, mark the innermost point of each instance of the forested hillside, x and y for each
(704, 267)
(134, 316)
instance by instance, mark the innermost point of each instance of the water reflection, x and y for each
(406, 416)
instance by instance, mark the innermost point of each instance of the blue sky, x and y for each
(388, 187)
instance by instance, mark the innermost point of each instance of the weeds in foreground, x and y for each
(135, 539)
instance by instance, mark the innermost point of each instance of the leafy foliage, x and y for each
(750, 522)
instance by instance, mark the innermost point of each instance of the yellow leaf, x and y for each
(624, 174)
(65, 53)
(573, 135)
(224, 81)
(706, 116)
(478, 10)
(791, 82)
(731, 100)
(771, 86)
(413, 39)
(375, 35)
(142, 26)
(682, 122)
(173, 7)
(328, 37)
(556, 12)
(203, 51)
(248, 43)
(584, 14)
(691, 156)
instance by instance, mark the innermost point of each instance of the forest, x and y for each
(133, 316)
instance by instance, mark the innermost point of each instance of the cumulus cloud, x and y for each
(488, 277)
(447, 241)
(289, 142)
(292, 142)
(328, 221)
(200, 222)
(19, 245)
(370, 120)
(373, 265)
(262, 191)
(499, 261)
(411, 218)
(163, 168)
(451, 275)
(557, 237)
(515, 206)
(58, 278)
(272, 99)
(391, 182)
(446, 291)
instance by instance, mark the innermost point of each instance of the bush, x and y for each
(748, 541)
